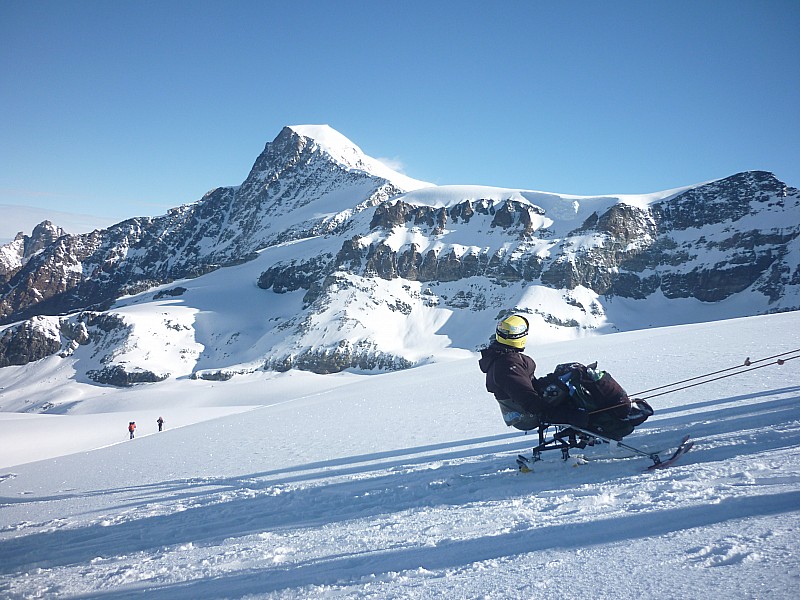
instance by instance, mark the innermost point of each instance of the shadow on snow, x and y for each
(310, 495)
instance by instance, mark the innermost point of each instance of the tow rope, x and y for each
(738, 370)
(745, 367)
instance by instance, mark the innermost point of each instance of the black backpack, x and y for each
(579, 386)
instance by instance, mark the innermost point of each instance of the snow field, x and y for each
(404, 486)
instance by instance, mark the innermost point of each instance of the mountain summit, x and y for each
(325, 259)
(340, 148)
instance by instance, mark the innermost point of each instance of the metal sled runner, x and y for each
(568, 437)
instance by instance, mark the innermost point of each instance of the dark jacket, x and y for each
(510, 377)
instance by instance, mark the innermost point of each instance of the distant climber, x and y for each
(132, 428)
(160, 423)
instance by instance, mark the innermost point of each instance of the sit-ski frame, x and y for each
(567, 437)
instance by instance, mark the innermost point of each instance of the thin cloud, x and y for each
(395, 164)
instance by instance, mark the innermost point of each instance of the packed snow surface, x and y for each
(404, 485)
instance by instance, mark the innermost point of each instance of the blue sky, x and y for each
(121, 109)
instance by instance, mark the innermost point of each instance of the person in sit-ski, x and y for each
(510, 377)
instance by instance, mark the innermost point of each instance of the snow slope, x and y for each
(403, 485)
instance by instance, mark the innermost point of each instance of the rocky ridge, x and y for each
(352, 247)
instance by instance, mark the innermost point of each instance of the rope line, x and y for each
(747, 363)
(777, 362)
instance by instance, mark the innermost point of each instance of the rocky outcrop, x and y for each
(118, 376)
(434, 220)
(295, 275)
(362, 356)
(634, 252)
(15, 255)
(724, 201)
(171, 293)
(27, 342)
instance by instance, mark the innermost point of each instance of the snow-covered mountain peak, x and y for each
(335, 143)
(323, 151)
(344, 151)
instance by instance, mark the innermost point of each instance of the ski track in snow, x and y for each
(259, 505)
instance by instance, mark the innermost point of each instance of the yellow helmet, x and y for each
(512, 331)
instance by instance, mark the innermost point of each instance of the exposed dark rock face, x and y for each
(324, 361)
(635, 251)
(117, 375)
(26, 343)
(727, 200)
(173, 293)
(294, 276)
(13, 256)
(214, 375)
